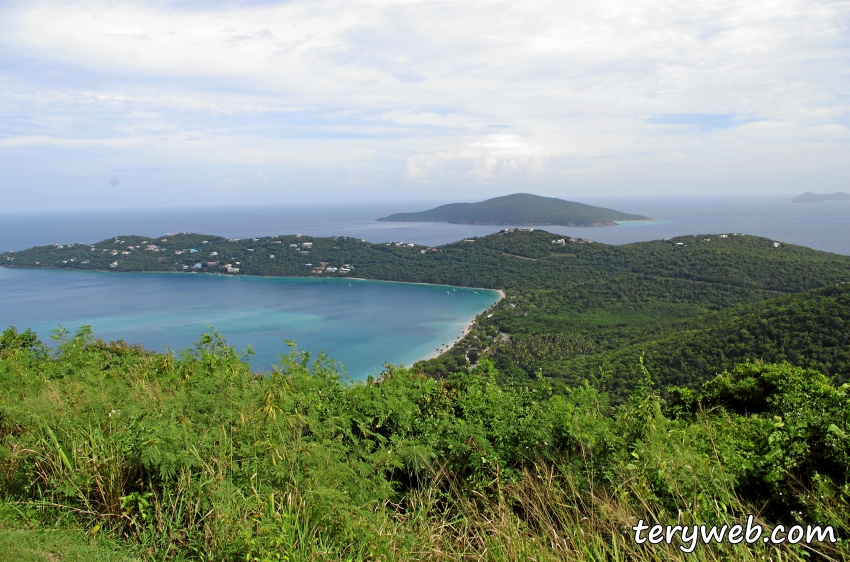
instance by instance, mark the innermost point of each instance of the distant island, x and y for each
(810, 197)
(520, 209)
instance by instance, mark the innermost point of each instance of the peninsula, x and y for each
(810, 197)
(571, 305)
(682, 380)
(520, 209)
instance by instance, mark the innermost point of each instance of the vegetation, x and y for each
(519, 208)
(192, 456)
(694, 305)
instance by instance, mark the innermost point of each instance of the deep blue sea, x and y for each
(823, 226)
(361, 324)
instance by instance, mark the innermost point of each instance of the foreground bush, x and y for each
(195, 457)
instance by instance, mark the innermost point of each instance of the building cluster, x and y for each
(323, 267)
(563, 241)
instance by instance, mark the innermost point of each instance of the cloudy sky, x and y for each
(120, 103)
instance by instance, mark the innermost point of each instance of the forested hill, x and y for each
(519, 209)
(810, 330)
(567, 300)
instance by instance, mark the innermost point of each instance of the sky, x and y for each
(108, 104)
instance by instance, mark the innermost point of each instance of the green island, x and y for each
(520, 209)
(689, 381)
(811, 197)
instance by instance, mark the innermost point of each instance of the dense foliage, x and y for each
(571, 308)
(519, 208)
(193, 456)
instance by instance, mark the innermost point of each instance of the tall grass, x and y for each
(194, 457)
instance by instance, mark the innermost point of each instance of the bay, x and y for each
(360, 324)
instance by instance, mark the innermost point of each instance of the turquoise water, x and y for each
(361, 324)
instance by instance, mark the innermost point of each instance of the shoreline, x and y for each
(500, 292)
(466, 328)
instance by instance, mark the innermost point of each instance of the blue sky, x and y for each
(107, 104)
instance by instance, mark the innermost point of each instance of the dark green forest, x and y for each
(695, 380)
(695, 305)
(519, 208)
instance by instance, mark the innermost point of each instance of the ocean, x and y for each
(361, 324)
(823, 226)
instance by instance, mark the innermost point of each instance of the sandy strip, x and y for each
(466, 328)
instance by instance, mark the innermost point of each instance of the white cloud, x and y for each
(459, 93)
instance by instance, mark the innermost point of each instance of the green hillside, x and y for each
(810, 197)
(111, 452)
(573, 298)
(544, 434)
(810, 330)
(519, 209)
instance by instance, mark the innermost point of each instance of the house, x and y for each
(422, 251)
(271, 256)
(306, 245)
(331, 269)
(559, 242)
(193, 251)
(211, 263)
(776, 244)
(113, 264)
(213, 253)
(198, 265)
(466, 240)
(151, 248)
(293, 245)
(185, 267)
(526, 230)
(724, 236)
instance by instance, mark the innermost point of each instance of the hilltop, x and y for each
(612, 384)
(564, 297)
(810, 197)
(519, 209)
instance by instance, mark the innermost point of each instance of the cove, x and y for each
(360, 324)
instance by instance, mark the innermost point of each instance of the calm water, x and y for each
(821, 226)
(361, 324)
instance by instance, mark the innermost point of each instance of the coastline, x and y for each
(466, 328)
